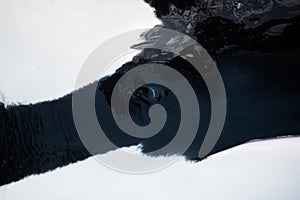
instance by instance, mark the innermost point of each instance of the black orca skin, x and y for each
(260, 70)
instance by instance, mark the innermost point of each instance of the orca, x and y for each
(260, 72)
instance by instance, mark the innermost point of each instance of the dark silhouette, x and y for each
(259, 65)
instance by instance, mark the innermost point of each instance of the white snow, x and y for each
(45, 42)
(43, 45)
(258, 170)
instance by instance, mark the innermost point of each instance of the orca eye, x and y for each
(146, 93)
(152, 93)
(149, 93)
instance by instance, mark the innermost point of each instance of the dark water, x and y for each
(260, 71)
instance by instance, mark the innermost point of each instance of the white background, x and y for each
(43, 43)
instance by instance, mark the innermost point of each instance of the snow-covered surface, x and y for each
(257, 170)
(43, 45)
(45, 42)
